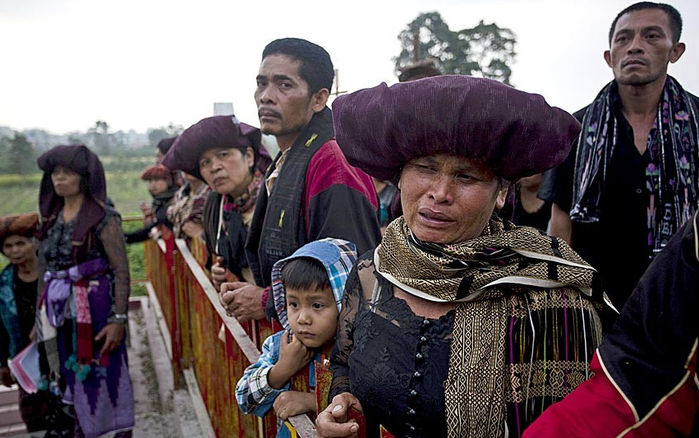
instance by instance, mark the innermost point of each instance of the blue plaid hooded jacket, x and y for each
(253, 393)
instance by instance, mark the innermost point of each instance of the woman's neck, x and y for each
(71, 206)
(243, 188)
(28, 270)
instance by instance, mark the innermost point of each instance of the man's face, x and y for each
(642, 47)
(284, 105)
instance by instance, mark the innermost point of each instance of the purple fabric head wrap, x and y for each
(513, 132)
(216, 132)
(165, 144)
(81, 160)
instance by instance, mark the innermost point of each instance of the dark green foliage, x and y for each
(485, 50)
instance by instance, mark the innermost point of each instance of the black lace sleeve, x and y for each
(114, 245)
(352, 302)
(40, 280)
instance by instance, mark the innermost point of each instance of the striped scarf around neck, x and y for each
(670, 175)
(476, 274)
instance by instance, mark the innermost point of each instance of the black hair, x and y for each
(30, 234)
(316, 67)
(305, 273)
(672, 13)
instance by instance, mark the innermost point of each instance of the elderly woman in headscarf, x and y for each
(459, 323)
(230, 157)
(18, 286)
(84, 287)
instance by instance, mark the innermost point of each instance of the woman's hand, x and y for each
(6, 376)
(192, 229)
(293, 356)
(332, 422)
(112, 335)
(290, 403)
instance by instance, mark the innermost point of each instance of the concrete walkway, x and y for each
(161, 411)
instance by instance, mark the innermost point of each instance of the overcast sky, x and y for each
(139, 64)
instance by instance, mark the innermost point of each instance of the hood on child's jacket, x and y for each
(337, 256)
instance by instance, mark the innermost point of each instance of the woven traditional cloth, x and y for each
(483, 276)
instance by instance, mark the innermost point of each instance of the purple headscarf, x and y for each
(165, 144)
(514, 133)
(223, 132)
(81, 160)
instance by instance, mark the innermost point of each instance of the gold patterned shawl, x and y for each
(474, 274)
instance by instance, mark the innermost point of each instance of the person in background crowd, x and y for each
(187, 210)
(18, 286)
(163, 147)
(229, 156)
(307, 288)
(84, 294)
(459, 323)
(645, 382)
(529, 210)
(631, 177)
(162, 189)
(386, 192)
(310, 191)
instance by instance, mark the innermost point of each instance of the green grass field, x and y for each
(126, 190)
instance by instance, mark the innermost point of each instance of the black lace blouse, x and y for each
(392, 360)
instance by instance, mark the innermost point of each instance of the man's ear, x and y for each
(319, 99)
(677, 52)
(608, 58)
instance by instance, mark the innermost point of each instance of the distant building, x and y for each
(223, 109)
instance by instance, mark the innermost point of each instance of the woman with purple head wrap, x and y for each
(459, 323)
(84, 292)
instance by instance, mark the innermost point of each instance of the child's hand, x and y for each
(290, 403)
(293, 356)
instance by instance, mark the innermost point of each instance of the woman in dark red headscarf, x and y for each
(162, 188)
(18, 286)
(84, 286)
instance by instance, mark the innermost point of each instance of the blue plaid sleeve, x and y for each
(253, 393)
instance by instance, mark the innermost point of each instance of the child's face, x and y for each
(312, 316)
(157, 186)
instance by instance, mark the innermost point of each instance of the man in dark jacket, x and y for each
(630, 181)
(311, 192)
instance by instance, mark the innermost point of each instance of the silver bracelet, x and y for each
(118, 318)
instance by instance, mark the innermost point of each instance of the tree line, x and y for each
(122, 151)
